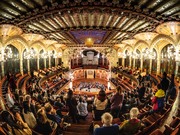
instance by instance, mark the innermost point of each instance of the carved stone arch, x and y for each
(19, 39)
(160, 38)
(140, 43)
(126, 47)
(51, 47)
(39, 43)
(59, 50)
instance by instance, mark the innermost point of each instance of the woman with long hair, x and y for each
(71, 103)
(116, 102)
(100, 103)
(44, 125)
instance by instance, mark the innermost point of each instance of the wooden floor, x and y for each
(80, 128)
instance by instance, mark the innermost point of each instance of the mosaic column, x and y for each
(176, 70)
(141, 63)
(49, 61)
(38, 62)
(21, 63)
(130, 60)
(150, 66)
(44, 62)
(2, 68)
(158, 64)
(123, 62)
(28, 66)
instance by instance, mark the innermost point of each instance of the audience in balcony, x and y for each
(117, 102)
(107, 128)
(28, 115)
(44, 125)
(15, 123)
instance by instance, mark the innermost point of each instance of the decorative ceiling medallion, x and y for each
(59, 45)
(49, 42)
(145, 36)
(119, 45)
(129, 41)
(82, 35)
(169, 28)
(10, 30)
(33, 37)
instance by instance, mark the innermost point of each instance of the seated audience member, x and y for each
(28, 115)
(117, 102)
(44, 125)
(15, 123)
(100, 103)
(59, 106)
(131, 126)
(82, 108)
(9, 98)
(51, 114)
(107, 128)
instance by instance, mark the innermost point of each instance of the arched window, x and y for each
(11, 62)
(168, 59)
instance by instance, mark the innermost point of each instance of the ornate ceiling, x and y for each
(70, 22)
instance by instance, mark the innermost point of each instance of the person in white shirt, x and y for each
(100, 103)
(9, 99)
(82, 109)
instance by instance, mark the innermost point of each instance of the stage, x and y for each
(75, 86)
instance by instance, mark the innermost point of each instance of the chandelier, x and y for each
(89, 42)
(30, 54)
(5, 53)
(57, 55)
(148, 54)
(44, 55)
(121, 55)
(136, 55)
(172, 53)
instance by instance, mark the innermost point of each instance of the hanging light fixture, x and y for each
(89, 42)
(5, 53)
(30, 54)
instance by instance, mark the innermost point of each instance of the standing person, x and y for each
(141, 92)
(160, 95)
(100, 103)
(72, 103)
(82, 109)
(171, 90)
(165, 83)
(116, 102)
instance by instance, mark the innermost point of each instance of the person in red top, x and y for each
(116, 102)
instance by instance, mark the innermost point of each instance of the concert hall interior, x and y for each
(89, 67)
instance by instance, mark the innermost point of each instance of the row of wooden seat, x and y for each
(172, 129)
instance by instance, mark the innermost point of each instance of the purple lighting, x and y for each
(82, 35)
